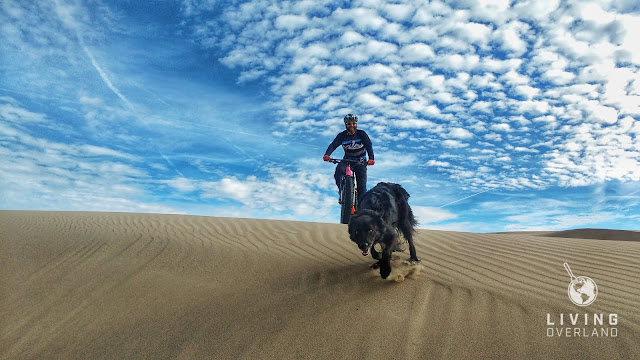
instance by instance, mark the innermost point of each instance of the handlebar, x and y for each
(335, 161)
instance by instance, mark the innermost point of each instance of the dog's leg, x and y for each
(374, 253)
(412, 251)
(385, 262)
(407, 231)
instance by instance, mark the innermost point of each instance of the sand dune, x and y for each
(117, 285)
(598, 234)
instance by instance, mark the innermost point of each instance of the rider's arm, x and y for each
(334, 145)
(367, 144)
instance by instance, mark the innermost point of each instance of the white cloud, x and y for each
(527, 91)
(511, 36)
(9, 112)
(599, 113)
(236, 189)
(558, 76)
(537, 107)
(454, 144)
(351, 37)
(491, 10)
(302, 84)
(428, 215)
(280, 193)
(457, 62)
(460, 133)
(502, 127)
(630, 45)
(591, 153)
(369, 99)
(37, 173)
(417, 124)
(398, 12)
(438, 163)
(362, 18)
(418, 52)
(93, 150)
(593, 12)
(474, 32)
(514, 78)
(378, 72)
(182, 184)
(370, 50)
(482, 106)
(539, 10)
(291, 22)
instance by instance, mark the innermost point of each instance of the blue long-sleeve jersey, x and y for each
(354, 145)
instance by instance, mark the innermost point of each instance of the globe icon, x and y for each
(583, 291)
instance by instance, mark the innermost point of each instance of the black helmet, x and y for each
(350, 118)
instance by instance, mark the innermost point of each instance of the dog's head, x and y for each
(365, 229)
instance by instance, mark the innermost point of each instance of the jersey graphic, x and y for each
(355, 144)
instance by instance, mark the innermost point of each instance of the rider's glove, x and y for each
(326, 158)
(371, 162)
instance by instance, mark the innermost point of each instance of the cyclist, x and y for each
(355, 143)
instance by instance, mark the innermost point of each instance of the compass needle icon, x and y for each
(582, 290)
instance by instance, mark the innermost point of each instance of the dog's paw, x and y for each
(376, 265)
(385, 270)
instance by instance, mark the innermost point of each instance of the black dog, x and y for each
(381, 211)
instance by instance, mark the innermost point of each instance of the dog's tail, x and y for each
(400, 192)
(412, 219)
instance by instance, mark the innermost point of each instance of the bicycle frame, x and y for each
(348, 171)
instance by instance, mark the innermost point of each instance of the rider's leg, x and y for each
(361, 177)
(340, 171)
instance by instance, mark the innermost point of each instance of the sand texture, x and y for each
(79, 285)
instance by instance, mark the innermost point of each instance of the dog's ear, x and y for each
(352, 223)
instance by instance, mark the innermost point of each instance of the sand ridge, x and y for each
(598, 234)
(121, 285)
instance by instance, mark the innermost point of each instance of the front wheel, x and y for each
(348, 199)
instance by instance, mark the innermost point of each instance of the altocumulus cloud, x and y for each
(557, 82)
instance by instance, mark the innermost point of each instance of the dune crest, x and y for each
(120, 285)
(598, 234)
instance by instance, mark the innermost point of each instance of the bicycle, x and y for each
(348, 191)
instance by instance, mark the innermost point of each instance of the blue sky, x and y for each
(494, 115)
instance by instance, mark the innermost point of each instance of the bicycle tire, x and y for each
(347, 199)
